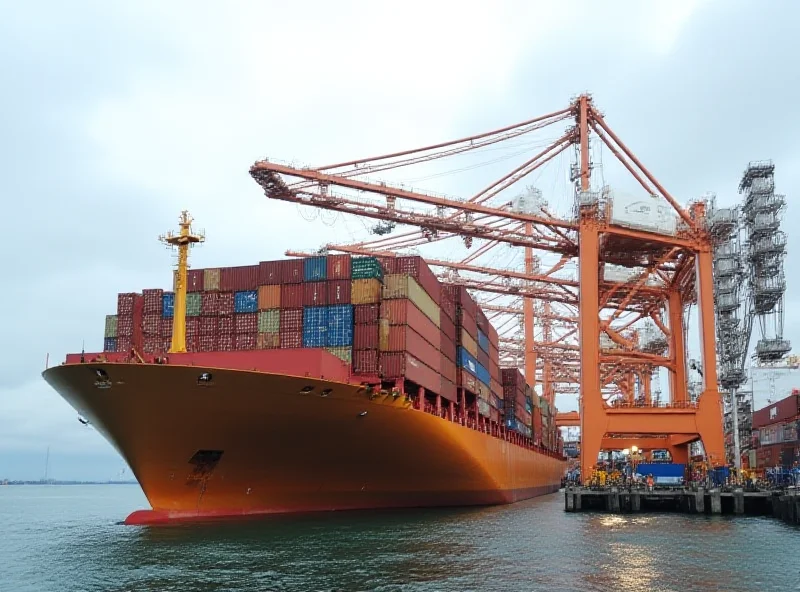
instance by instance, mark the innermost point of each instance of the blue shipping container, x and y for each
(483, 375)
(315, 326)
(340, 326)
(315, 269)
(483, 341)
(467, 361)
(110, 344)
(167, 304)
(663, 473)
(245, 301)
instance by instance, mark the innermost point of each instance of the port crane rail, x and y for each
(673, 266)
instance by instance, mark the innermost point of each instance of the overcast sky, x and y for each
(115, 116)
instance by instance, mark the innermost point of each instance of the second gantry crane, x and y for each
(638, 261)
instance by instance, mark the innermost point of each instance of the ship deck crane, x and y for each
(675, 264)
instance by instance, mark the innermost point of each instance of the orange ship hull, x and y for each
(252, 442)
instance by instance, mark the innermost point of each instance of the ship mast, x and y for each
(183, 241)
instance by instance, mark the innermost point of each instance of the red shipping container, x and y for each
(339, 292)
(419, 270)
(244, 277)
(166, 343)
(192, 326)
(404, 312)
(494, 369)
(481, 320)
(209, 303)
(448, 390)
(245, 341)
(151, 344)
(124, 345)
(513, 377)
(366, 336)
(467, 381)
(483, 358)
(291, 296)
(125, 304)
(404, 338)
(226, 326)
(207, 343)
(152, 301)
(291, 272)
(269, 273)
(467, 321)
(246, 323)
(496, 388)
(365, 361)
(166, 327)
(494, 415)
(366, 314)
(537, 422)
(339, 267)
(315, 294)
(124, 326)
(137, 337)
(404, 365)
(448, 327)
(151, 325)
(448, 347)
(389, 265)
(447, 306)
(291, 320)
(447, 368)
(494, 338)
(225, 302)
(291, 339)
(194, 280)
(225, 342)
(461, 298)
(780, 411)
(208, 326)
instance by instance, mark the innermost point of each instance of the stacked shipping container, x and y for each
(388, 319)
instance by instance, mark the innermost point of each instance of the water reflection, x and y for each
(75, 544)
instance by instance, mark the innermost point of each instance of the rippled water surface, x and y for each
(68, 538)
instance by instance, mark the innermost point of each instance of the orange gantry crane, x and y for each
(664, 248)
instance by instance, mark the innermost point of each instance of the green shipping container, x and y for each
(365, 268)
(111, 326)
(345, 354)
(405, 286)
(193, 303)
(269, 321)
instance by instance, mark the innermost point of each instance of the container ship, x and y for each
(324, 383)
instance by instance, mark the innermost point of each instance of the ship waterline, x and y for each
(251, 442)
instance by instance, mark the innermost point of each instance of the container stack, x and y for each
(389, 319)
(517, 417)
(410, 327)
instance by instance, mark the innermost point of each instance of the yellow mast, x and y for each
(183, 241)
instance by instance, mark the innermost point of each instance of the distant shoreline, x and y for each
(4, 482)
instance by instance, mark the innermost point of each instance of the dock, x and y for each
(783, 504)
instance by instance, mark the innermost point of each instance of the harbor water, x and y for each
(69, 538)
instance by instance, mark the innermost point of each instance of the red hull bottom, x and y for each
(438, 499)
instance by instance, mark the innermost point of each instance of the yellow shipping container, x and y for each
(269, 297)
(405, 286)
(366, 291)
(468, 343)
(210, 279)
